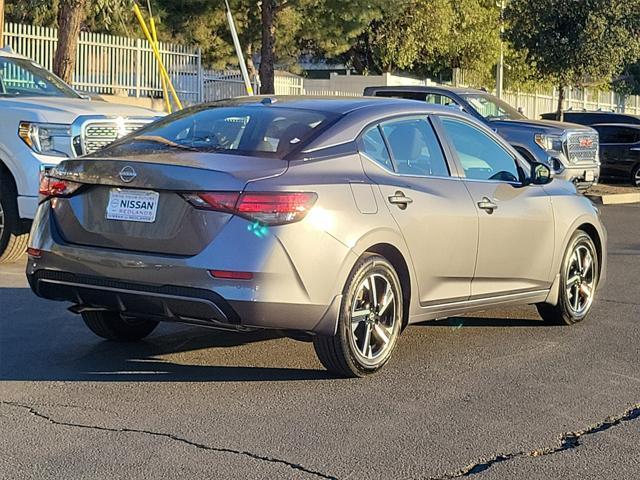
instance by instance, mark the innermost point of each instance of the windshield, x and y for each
(255, 130)
(492, 108)
(23, 78)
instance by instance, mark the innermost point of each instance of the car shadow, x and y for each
(41, 341)
(484, 322)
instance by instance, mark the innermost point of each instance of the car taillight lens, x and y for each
(269, 208)
(54, 187)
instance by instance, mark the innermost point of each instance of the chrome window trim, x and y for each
(451, 166)
(396, 174)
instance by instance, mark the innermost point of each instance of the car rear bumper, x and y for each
(181, 288)
(179, 304)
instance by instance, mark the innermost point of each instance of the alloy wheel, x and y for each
(636, 177)
(2, 221)
(581, 279)
(374, 323)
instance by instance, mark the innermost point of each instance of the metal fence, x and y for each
(108, 64)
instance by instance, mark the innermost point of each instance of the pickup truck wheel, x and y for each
(12, 245)
(635, 176)
(370, 321)
(579, 277)
(112, 326)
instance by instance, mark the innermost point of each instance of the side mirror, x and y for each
(540, 174)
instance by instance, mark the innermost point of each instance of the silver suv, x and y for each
(341, 219)
(44, 121)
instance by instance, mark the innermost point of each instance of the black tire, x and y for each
(13, 242)
(635, 176)
(565, 313)
(339, 354)
(112, 326)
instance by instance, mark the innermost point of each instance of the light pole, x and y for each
(1, 23)
(500, 69)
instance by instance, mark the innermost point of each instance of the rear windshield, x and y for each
(255, 130)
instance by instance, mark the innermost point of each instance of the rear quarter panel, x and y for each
(342, 225)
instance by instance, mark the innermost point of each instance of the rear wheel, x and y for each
(112, 326)
(12, 244)
(370, 321)
(578, 282)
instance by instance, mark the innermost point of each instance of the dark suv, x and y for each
(594, 117)
(570, 150)
(620, 151)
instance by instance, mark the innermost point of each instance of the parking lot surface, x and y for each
(493, 395)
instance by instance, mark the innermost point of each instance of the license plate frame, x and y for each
(129, 205)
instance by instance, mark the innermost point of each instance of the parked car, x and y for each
(43, 121)
(620, 151)
(585, 117)
(570, 150)
(342, 219)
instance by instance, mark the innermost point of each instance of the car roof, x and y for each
(619, 125)
(428, 88)
(334, 104)
(597, 112)
(11, 54)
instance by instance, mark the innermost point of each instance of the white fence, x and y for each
(535, 104)
(109, 64)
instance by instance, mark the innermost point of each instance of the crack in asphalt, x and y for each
(255, 456)
(567, 441)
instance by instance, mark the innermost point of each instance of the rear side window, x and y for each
(254, 130)
(618, 135)
(415, 148)
(372, 145)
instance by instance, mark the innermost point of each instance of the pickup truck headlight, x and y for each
(550, 143)
(42, 137)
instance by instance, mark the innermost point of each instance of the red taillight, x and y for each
(54, 187)
(231, 275)
(269, 208)
(34, 252)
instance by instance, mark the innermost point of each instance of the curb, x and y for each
(616, 198)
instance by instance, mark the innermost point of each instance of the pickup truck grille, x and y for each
(98, 134)
(582, 147)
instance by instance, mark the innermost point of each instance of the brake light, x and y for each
(231, 275)
(54, 187)
(269, 208)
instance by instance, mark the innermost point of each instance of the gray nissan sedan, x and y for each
(338, 220)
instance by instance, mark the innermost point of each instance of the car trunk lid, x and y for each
(138, 205)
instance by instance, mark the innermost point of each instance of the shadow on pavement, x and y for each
(41, 341)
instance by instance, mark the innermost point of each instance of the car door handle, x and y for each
(635, 149)
(488, 205)
(400, 199)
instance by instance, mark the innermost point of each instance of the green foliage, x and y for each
(575, 42)
(432, 37)
(408, 34)
(102, 16)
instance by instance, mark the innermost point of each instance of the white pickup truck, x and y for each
(42, 122)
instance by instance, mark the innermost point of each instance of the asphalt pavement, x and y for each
(489, 396)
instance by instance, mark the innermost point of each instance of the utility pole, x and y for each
(500, 68)
(1, 23)
(236, 44)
